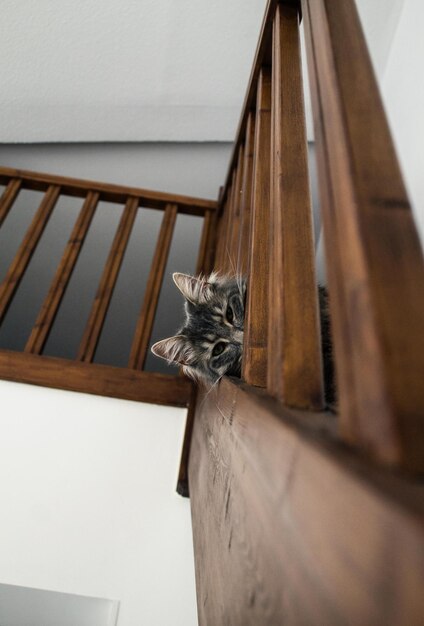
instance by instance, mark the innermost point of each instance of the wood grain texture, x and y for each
(246, 198)
(108, 192)
(26, 249)
(255, 351)
(8, 198)
(290, 528)
(50, 306)
(294, 346)
(374, 258)
(107, 283)
(146, 318)
(102, 380)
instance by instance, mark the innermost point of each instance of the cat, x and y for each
(210, 343)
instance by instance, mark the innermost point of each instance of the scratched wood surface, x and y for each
(291, 528)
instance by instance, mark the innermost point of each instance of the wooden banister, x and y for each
(110, 193)
(374, 259)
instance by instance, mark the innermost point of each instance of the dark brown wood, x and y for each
(146, 318)
(110, 193)
(48, 311)
(246, 198)
(204, 258)
(26, 249)
(374, 258)
(107, 283)
(294, 347)
(235, 232)
(8, 198)
(222, 234)
(256, 319)
(102, 380)
(228, 263)
(291, 528)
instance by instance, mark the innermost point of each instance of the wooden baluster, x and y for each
(205, 256)
(228, 261)
(8, 198)
(374, 258)
(256, 319)
(107, 283)
(154, 283)
(246, 198)
(27, 248)
(294, 347)
(234, 244)
(222, 231)
(48, 311)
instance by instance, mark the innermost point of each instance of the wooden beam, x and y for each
(101, 380)
(48, 311)
(110, 193)
(26, 249)
(256, 318)
(291, 528)
(294, 346)
(107, 283)
(374, 258)
(146, 318)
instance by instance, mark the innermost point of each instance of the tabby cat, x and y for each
(210, 344)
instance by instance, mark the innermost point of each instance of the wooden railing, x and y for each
(290, 524)
(82, 374)
(374, 260)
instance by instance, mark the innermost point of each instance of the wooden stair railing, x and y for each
(302, 516)
(81, 374)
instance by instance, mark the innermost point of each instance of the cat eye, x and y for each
(229, 314)
(218, 348)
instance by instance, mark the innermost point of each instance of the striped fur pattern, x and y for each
(210, 344)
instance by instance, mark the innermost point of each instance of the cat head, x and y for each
(210, 344)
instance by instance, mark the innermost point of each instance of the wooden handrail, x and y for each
(108, 192)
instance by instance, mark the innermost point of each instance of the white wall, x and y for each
(403, 94)
(88, 502)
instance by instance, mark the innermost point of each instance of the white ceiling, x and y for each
(137, 70)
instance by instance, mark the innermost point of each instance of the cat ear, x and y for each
(174, 349)
(195, 290)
